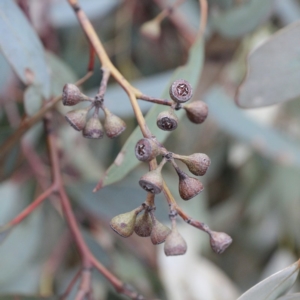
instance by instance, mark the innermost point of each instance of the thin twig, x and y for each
(156, 100)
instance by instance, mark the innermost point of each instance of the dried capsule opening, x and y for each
(182, 89)
(149, 187)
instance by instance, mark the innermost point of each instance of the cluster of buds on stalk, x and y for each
(89, 123)
(142, 220)
(152, 181)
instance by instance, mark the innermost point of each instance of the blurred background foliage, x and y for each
(251, 190)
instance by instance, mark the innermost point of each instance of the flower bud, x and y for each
(146, 150)
(152, 181)
(123, 224)
(196, 111)
(71, 95)
(159, 232)
(167, 120)
(219, 241)
(189, 187)
(113, 125)
(93, 128)
(143, 224)
(175, 243)
(151, 29)
(197, 163)
(77, 118)
(181, 91)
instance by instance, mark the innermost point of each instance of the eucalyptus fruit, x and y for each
(146, 150)
(71, 95)
(159, 232)
(143, 224)
(77, 118)
(123, 224)
(93, 128)
(197, 163)
(196, 111)
(152, 181)
(181, 91)
(175, 243)
(113, 125)
(219, 241)
(167, 120)
(189, 187)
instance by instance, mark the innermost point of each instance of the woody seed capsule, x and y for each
(71, 95)
(196, 111)
(143, 224)
(219, 241)
(181, 91)
(189, 187)
(152, 181)
(113, 125)
(175, 243)
(93, 128)
(146, 150)
(167, 120)
(123, 224)
(197, 163)
(77, 118)
(159, 232)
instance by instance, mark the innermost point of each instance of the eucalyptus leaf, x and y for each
(126, 160)
(267, 141)
(242, 19)
(22, 48)
(32, 99)
(60, 73)
(4, 232)
(274, 286)
(290, 297)
(273, 71)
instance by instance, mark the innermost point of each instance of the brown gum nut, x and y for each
(181, 91)
(146, 149)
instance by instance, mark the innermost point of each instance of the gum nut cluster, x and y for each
(143, 222)
(90, 126)
(197, 163)
(181, 92)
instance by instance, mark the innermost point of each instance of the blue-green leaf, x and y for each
(273, 71)
(274, 286)
(24, 51)
(241, 19)
(267, 141)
